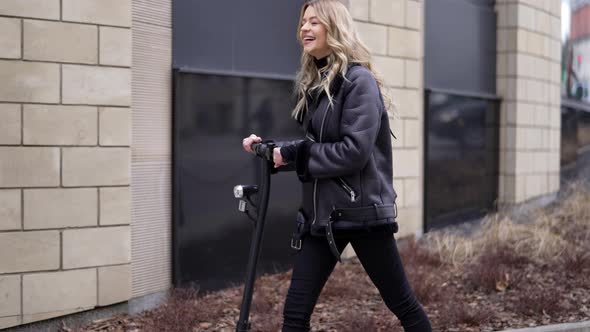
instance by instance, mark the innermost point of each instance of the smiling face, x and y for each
(313, 35)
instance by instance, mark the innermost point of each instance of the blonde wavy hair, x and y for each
(346, 46)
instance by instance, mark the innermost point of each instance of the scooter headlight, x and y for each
(239, 191)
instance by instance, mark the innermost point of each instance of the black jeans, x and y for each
(377, 252)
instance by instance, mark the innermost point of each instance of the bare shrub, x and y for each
(457, 313)
(539, 302)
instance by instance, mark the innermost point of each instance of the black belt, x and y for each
(374, 212)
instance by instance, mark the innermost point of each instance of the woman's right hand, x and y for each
(247, 142)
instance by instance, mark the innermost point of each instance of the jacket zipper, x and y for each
(348, 189)
(315, 183)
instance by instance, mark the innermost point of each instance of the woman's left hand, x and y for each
(277, 158)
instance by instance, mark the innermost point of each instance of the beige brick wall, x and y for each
(398, 57)
(528, 61)
(65, 132)
(394, 31)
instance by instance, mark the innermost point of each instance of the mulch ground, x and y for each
(516, 276)
(493, 298)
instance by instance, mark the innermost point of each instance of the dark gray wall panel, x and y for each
(236, 36)
(460, 46)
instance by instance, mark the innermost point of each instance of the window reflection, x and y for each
(575, 40)
(212, 113)
(461, 163)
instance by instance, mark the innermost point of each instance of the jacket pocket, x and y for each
(352, 194)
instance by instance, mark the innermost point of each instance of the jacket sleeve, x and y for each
(359, 127)
(290, 166)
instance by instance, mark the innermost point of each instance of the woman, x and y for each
(345, 165)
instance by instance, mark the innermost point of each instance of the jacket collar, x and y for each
(314, 97)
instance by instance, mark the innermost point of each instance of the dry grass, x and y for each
(505, 275)
(549, 237)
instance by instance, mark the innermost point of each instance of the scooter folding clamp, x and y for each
(296, 244)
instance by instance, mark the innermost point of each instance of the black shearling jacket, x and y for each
(345, 160)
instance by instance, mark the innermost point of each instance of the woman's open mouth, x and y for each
(308, 40)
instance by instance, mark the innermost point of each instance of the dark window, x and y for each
(575, 140)
(212, 115)
(462, 159)
(236, 36)
(461, 111)
(234, 64)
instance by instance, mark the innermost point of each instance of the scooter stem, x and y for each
(243, 324)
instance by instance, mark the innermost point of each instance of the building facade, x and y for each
(105, 107)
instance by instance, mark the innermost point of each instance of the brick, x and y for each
(406, 163)
(115, 126)
(413, 77)
(554, 139)
(59, 125)
(554, 72)
(553, 182)
(48, 9)
(115, 46)
(96, 85)
(410, 221)
(59, 208)
(9, 295)
(555, 116)
(57, 293)
(507, 137)
(359, 9)
(502, 40)
(107, 12)
(29, 251)
(390, 12)
(506, 188)
(520, 194)
(10, 41)
(542, 22)
(414, 15)
(405, 43)
(10, 124)
(554, 162)
(541, 113)
(29, 82)
(525, 114)
(555, 27)
(502, 64)
(59, 41)
(10, 321)
(374, 36)
(412, 192)
(408, 103)
(95, 166)
(390, 69)
(413, 133)
(115, 206)
(526, 17)
(10, 209)
(536, 185)
(555, 8)
(29, 167)
(97, 246)
(114, 284)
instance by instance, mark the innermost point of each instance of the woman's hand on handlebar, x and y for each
(277, 158)
(248, 141)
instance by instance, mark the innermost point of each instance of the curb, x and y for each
(567, 327)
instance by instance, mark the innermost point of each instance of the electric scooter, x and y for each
(245, 195)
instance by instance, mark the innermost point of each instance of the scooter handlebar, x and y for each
(264, 150)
